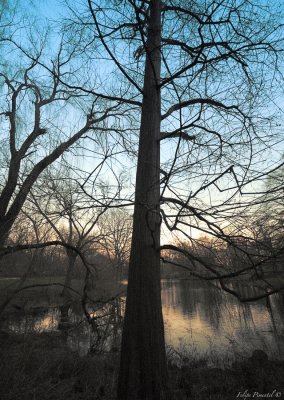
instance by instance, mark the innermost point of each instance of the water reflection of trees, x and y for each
(221, 311)
(194, 297)
(190, 306)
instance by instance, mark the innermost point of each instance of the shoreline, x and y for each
(42, 366)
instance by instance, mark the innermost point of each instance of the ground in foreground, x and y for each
(41, 366)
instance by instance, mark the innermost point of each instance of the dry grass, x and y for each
(41, 366)
(195, 380)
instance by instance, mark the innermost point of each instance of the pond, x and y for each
(209, 323)
(200, 322)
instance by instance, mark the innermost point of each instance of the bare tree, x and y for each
(116, 230)
(58, 199)
(26, 229)
(32, 98)
(202, 75)
(200, 135)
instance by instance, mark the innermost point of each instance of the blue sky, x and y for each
(47, 11)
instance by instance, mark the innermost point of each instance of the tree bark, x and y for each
(143, 370)
(5, 226)
(71, 255)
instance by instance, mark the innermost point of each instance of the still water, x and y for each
(200, 321)
(209, 323)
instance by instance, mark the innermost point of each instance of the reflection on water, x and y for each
(38, 320)
(214, 324)
(198, 317)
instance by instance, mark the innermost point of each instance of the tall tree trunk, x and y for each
(71, 263)
(5, 227)
(143, 371)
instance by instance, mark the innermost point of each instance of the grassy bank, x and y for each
(41, 366)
